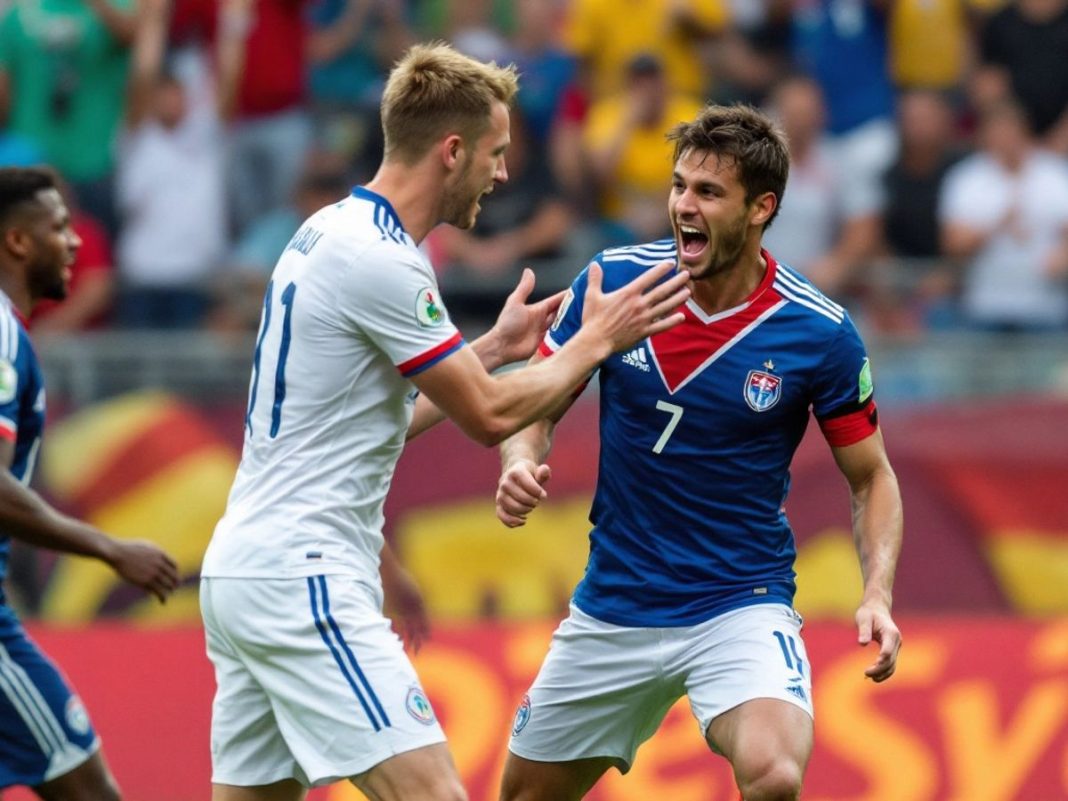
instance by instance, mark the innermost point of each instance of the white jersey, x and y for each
(351, 313)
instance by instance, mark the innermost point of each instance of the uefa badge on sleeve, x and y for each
(762, 390)
(9, 381)
(429, 310)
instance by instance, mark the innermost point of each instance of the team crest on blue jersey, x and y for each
(522, 716)
(762, 390)
(418, 705)
(428, 308)
(77, 717)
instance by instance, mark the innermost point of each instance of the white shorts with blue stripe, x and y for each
(312, 682)
(603, 689)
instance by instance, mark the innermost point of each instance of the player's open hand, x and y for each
(875, 624)
(645, 306)
(520, 490)
(521, 326)
(147, 566)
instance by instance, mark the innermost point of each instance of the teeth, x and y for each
(688, 229)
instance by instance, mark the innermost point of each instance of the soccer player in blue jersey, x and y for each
(690, 580)
(46, 739)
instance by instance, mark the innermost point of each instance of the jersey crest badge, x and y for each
(418, 706)
(9, 381)
(428, 309)
(762, 390)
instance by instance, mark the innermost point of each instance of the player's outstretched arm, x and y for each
(26, 516)
(519, 328)
(490, 408)
(877, 531)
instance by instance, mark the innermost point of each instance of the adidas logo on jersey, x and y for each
(636, 358)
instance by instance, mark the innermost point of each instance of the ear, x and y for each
(763, 207)
(452, 151)
(18, 242)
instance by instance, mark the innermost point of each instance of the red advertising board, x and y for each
(978, 711)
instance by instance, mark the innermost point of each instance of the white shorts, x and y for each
(312, 683)
(603, 690)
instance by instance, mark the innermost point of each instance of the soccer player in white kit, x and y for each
(313, 686)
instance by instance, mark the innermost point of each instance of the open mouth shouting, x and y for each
(692, 243)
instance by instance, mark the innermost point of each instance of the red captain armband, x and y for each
(851, 427)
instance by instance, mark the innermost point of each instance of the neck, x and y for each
(731, 286)
(15, 288)
(413, 193)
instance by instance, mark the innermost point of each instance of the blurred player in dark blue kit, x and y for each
(690, 581)
(46, 739)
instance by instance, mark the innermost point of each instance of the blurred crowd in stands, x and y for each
(929, 185)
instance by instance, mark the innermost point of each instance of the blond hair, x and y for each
(434, 91)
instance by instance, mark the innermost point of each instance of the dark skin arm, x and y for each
(26, 516)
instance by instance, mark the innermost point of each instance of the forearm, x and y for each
(235, 24)
(25, 516)
(532, 444)
(537, 391)
(877, 532)
(426, 415)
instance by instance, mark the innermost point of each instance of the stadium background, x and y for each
(144, 437)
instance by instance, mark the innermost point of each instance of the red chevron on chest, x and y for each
(683, 352)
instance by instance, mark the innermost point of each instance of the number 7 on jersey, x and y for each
(676, 415)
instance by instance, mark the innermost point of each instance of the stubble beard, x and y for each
(729, 245)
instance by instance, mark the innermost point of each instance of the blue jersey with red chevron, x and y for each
(698, 428)
(22, 403)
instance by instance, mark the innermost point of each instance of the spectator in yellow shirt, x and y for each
(626, 140)
(606, 35)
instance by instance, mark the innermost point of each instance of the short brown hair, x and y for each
(748, 138)
(435, 90)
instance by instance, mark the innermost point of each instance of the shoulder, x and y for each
(805, 299)
(623, 264)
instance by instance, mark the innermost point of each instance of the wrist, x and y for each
(877, 597)
(107, 549)
(489, 349)
(594, 343)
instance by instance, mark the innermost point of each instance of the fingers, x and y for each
(595, 275)
(864, 624)
(510, 520)
(664, 323)
(520, 491)
(882, 630)
(651, 276)
(548, 308)
(523, 288)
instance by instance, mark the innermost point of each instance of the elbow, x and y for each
(494, 433)
(489, 432)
